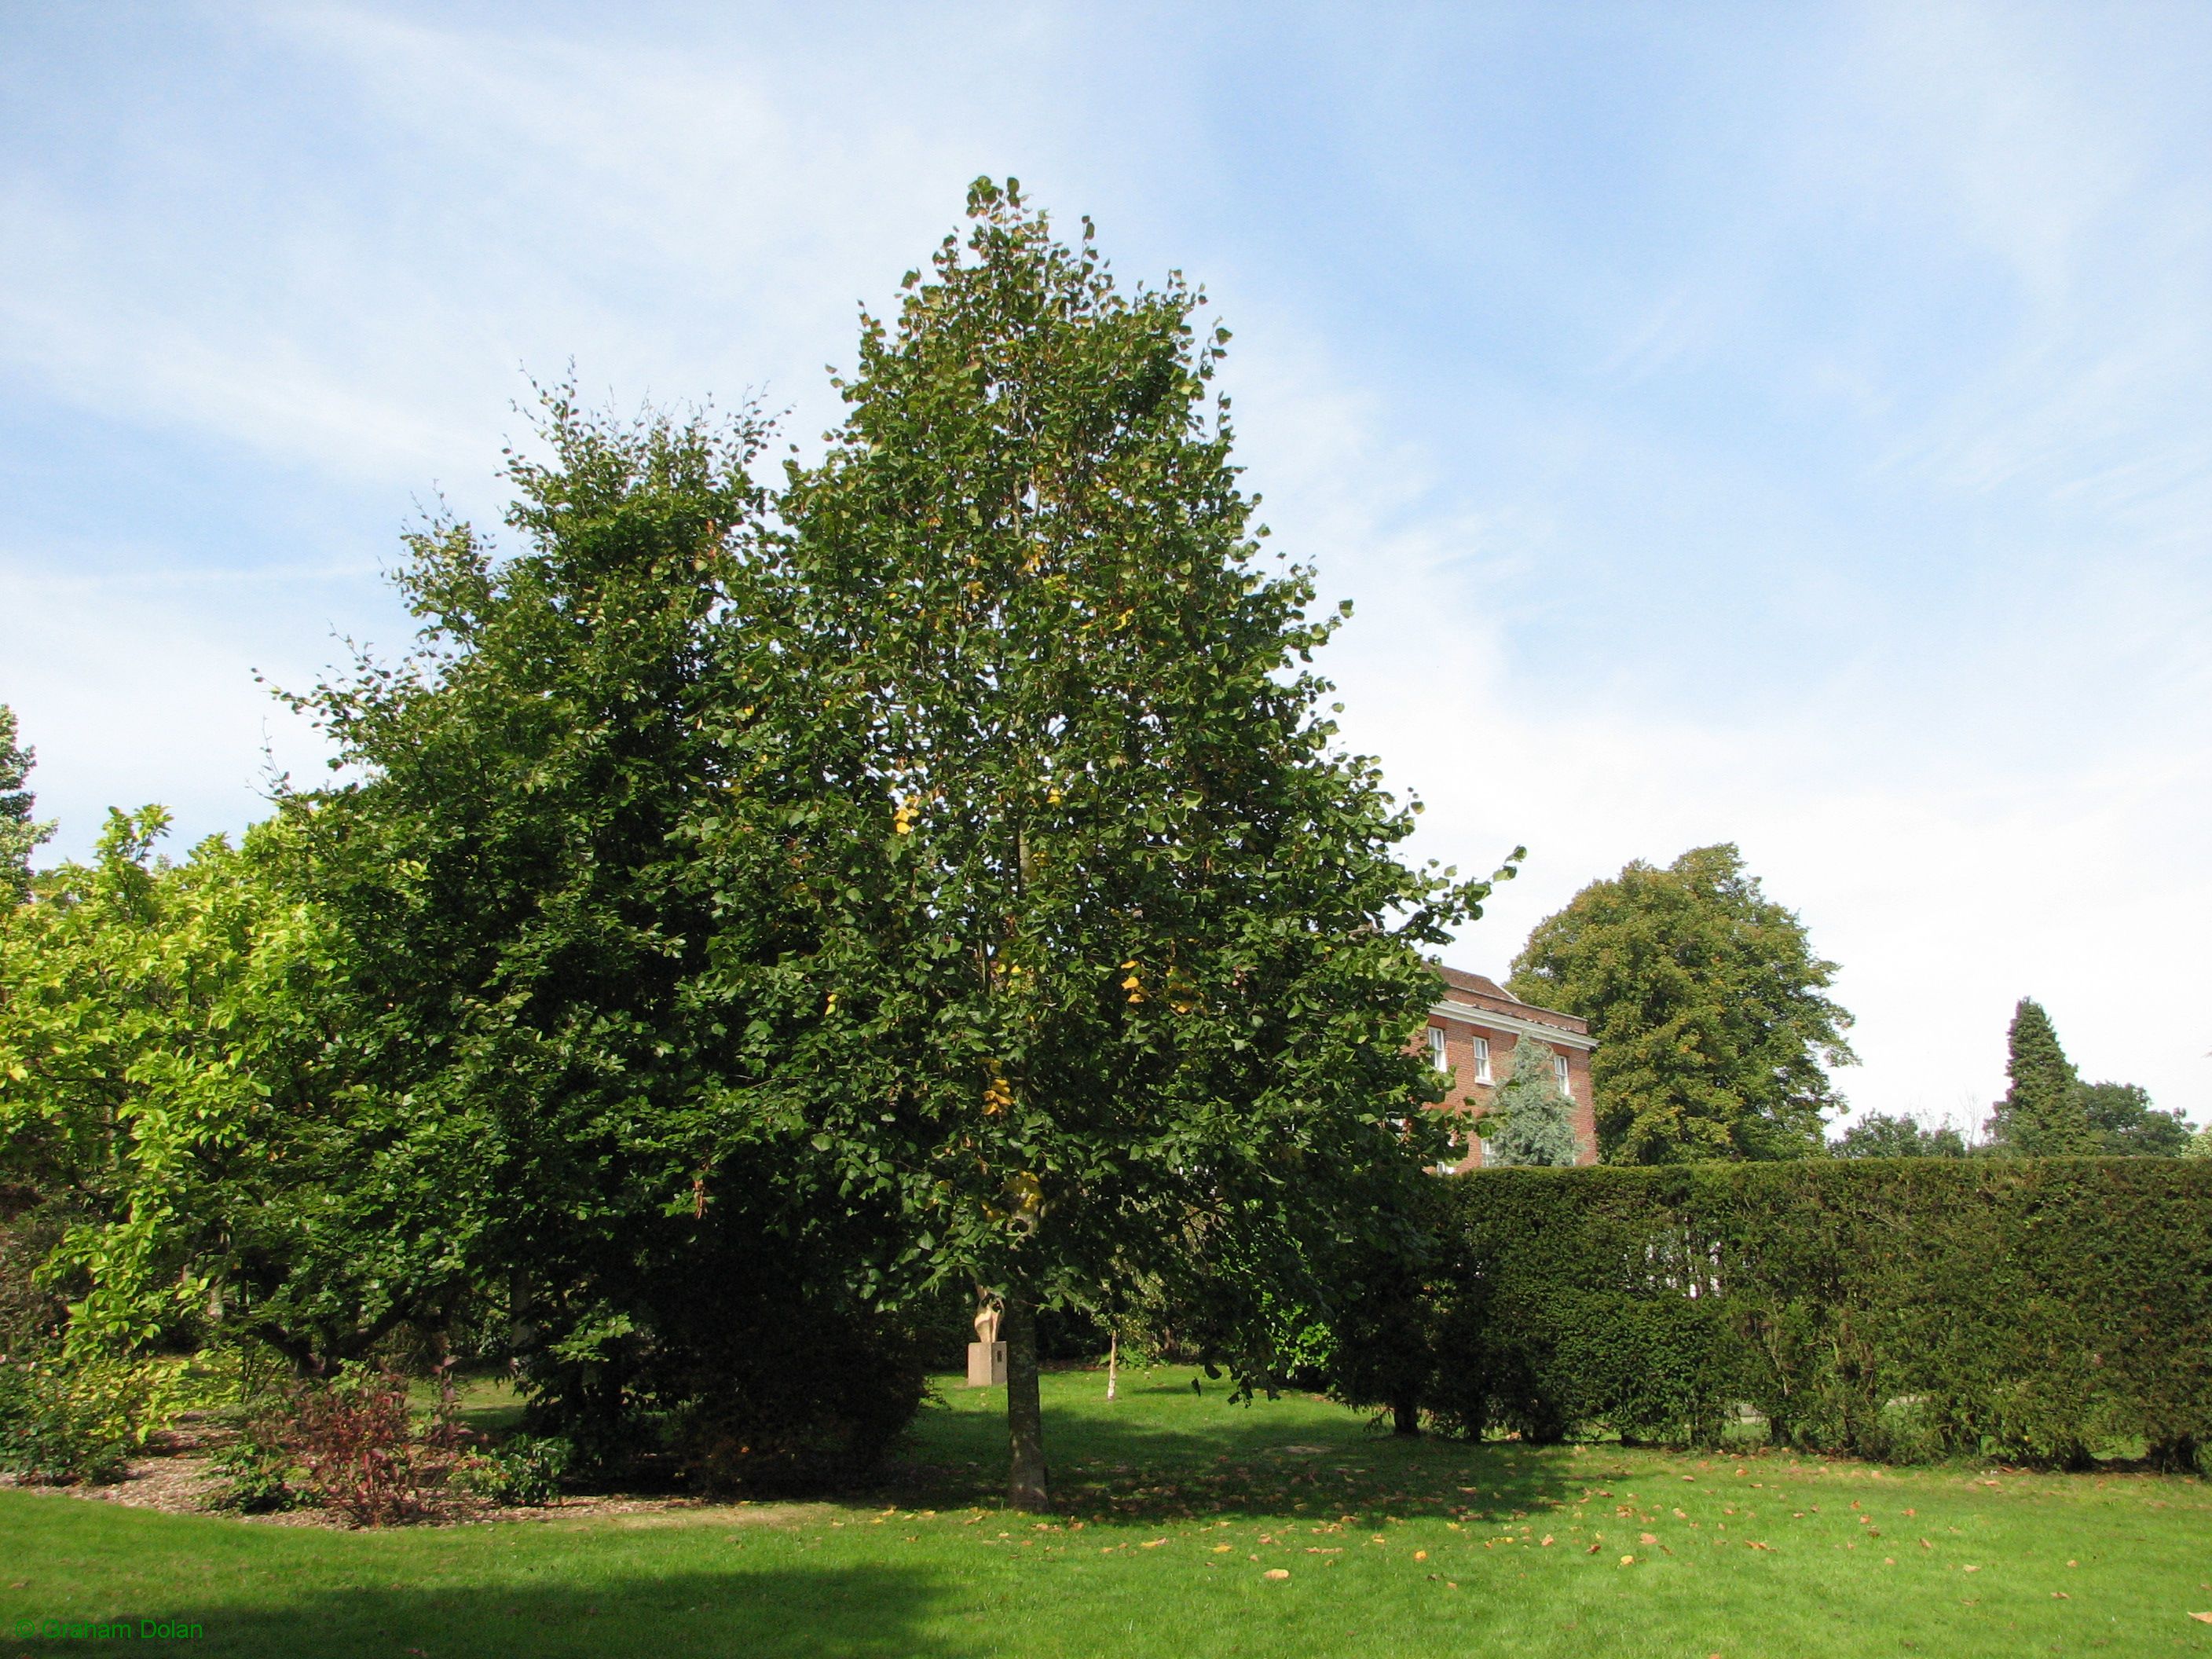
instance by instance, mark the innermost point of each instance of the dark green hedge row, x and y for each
(2032, 1309)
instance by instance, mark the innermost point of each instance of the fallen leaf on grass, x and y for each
(2060, 1595)
(1628, 1560)
(1647, 1538)
(1592, 1550)
(1152, 1543)
(1547, 1542)
(1276, 1572)
(1970, 1569)
(1223, 1549)
(2201, 1618)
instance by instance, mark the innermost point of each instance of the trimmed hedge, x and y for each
(2030, 1309)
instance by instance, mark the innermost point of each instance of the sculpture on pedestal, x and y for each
(987, 1355)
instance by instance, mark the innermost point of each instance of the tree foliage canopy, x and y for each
(1881, 1135)
(1714, 1030)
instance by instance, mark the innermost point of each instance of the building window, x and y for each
(1559, 1071)
(1482, 1060)
(1437, 1049)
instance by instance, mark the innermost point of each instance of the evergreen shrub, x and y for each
(2030, 1309)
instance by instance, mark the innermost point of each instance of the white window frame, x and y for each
(1439, 1056)
(1481, 1059)
(1559, 1071)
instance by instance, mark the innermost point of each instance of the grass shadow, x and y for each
(852, 1612)
(1160, 1453)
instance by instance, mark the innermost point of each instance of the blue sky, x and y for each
(1788, 424)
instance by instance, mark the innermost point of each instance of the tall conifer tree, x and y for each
(2042, 1113)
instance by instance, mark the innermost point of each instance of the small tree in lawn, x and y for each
(1115, 969)
(1534, 1119)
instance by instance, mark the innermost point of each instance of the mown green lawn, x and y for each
(1176, 1507)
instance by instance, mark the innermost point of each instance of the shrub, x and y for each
(2031, 1308)
(254, 1472)
(354, 1438)
(525, 1471)
(65, 1418)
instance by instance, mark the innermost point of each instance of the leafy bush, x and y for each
(2031, 1308)
(255, 1471)
(527, 1470)
(64, 1419)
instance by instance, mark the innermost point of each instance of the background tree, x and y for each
(19, 837)
(1115, 968)
(136, 1091)
(1535, 1118)
(2122, 1122)
(1707, 998)
(2042, 1112)
(1878, 1134)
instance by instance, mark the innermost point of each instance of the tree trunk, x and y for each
(1027, 1487)
(1405, 1416)
(1113, 1359)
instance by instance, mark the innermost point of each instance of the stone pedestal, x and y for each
(986, 1364)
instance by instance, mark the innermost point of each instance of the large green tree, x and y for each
(1115, 969)
(1715, 1030)
(19, 835)
(554, 1108)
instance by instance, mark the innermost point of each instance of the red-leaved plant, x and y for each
(355, 1438)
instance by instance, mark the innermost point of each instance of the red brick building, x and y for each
(1472, 1029)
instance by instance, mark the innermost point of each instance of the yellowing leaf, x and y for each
(1276, 1572)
